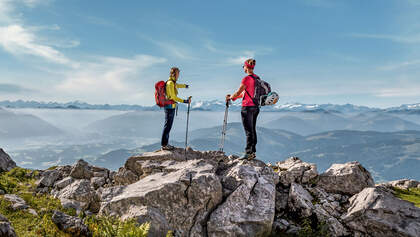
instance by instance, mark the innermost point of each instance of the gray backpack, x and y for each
(261, 90)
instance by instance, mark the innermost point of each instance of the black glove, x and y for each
(187, 101)
(186, 86)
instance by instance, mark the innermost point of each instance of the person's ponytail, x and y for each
(251, 62)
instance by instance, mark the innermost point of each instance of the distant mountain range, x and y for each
(388, 156)
(71, 105)
(214, 105)
(148, 124)
(306, 123)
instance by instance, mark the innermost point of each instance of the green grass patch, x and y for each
(22, 182)
(311, 229)
(17, 180)
(111, 226)
(411, 195)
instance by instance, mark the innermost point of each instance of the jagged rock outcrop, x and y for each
(143, 214)
(17, 203)
(349, 178)
(209, 194)
(70, 224)
(250, 205)
(77, 186)
(6, 163)
(293, 170)
(300, 201)
(377, 212)
(403, 184)
(49, 177)
(80, 191)
(6, 229)
(137, 167)
(183, 197)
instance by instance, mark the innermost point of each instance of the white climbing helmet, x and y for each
(271, 99)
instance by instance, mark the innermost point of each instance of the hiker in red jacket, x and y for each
(250, 110)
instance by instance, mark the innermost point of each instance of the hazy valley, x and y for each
(386, 141)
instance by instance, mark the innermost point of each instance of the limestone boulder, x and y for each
(97, 182)
(125, 176)
(17, 202)
(159, 225)
(249, 209)
(81, 170)
(300, 201)
(294, 170)
(6, 163)
(48, 178)
(349, 178)
(137, 167)
(375, 211)
(63, 183)
(402, 184)
(6, 229)
(79, 191)
(182, 198)
(70, 224)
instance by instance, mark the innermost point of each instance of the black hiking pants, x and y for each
(249, 120)
(169, 120)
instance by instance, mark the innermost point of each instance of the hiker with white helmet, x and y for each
(250, 109)
(254, 93)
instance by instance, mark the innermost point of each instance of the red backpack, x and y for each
(160, 94)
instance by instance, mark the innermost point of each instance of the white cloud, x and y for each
(64, 43)
(99, 21)
(241, 58)
(33, 3)
(107, 77)
(97, 78)
(17, 40)
(400, 65)
(319, 3)
(414, 2)
(6, 11)
(399, 92)
(175, 50)
(409, 39)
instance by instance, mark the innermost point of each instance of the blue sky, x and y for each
(319, 51)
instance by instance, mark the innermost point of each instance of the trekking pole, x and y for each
(222, 141)
(186, 133)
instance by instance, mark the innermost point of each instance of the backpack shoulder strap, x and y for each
(252, 98)
(254, 76)
(247, 91)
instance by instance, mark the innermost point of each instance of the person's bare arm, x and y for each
(237, 94)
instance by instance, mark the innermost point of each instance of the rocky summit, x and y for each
(194, 193)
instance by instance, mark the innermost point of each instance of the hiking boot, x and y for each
(252, 156)
(167, 148)
(248, 156)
